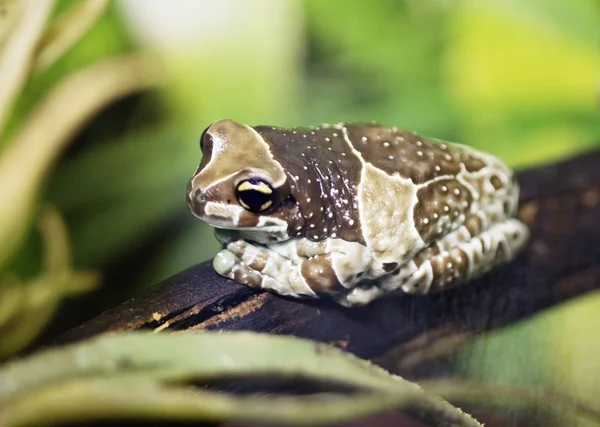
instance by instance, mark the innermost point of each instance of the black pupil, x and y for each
(254, 199)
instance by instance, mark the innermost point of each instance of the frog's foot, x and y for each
(297, 267)
(453, 260)
(260, 268)
(361, 294)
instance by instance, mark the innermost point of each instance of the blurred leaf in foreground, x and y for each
(146, 376)
(575, 346)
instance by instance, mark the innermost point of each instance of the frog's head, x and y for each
(240, 186)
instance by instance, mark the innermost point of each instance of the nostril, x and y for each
(194, 197)
(196, 202)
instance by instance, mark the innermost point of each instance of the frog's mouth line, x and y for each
(220, 215)
(239, 224)
(233, 217)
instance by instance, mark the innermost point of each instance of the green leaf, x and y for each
(67, 31)
(141, 371)
(103, 399)
(25, 308)
(17, 52)
(30, 154)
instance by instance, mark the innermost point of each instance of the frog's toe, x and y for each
(227, 264)
(224, 262)
(360, 295)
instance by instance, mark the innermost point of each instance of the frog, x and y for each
(353, 212)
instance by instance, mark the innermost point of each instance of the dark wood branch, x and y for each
(560, 203)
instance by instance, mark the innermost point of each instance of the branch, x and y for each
(560, 203)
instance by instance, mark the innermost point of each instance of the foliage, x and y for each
(146, 376)
(141, 375)
(28, 47)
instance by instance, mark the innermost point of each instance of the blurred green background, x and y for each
(517, 78)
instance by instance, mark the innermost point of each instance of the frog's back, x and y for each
(408, 155)
(452, 181)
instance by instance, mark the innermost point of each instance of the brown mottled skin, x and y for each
(333, 172)
(407, 154)
(323, 173)
(443, 203)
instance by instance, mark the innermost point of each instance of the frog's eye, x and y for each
(255, 195)
(202, 139)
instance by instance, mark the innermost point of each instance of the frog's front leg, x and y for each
(297, 267)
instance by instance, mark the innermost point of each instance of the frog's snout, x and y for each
(196, 200)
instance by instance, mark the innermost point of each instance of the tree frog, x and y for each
(352, 211)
